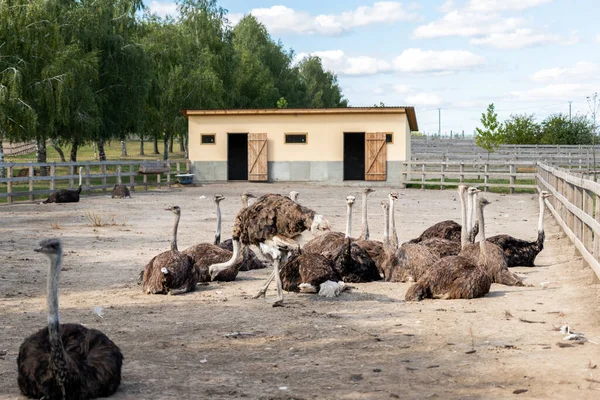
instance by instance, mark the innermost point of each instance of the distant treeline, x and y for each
(81, 71)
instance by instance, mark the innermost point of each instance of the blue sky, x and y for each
(525, 56)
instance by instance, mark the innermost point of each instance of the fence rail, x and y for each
(16, 149)
(442, 174)
(95, 175)
(576, 207)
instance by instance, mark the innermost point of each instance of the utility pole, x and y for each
(570, 111)
(592, 104)
(439, 122)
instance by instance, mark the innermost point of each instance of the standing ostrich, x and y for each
(66, 361)
(408, 262)
(249, 260)
(170, 272)
(271, 223)
(364, 232)
(520, 252)
(456, 277)
(65, 195)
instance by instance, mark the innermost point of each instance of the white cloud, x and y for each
(446, 61)
(424, 99)
(163, 9)
(467, 24)
(559, 91)
(518, 39)
(598, 38)
(581, 70)
(282, 19)
(504, 5)
(338, 62)
(401, 88)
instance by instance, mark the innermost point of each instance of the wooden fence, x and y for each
(95, 174)
(576, 207)
(442, 174)
(16, 149)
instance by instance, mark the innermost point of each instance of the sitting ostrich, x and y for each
(520, 252)
(408, 262)
(120, 192)
(456, 277)
(294, 195)
(249, 259)
(271, 223)
(310, 273)
(66, 361)
(170, 272)
(65, 195)
(376, 249)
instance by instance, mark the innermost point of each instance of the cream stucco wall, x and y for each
(325, 134)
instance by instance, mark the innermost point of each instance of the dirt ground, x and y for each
(218, 343)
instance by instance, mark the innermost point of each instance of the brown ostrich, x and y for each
(376, 249)
(170, 272)
(408, 262)
(364, 230)
(66, 361)
(271, 223)
(456, 277)
(65, 195)
(120, 192)
(249, 259)
(520, 252)
(310, 273)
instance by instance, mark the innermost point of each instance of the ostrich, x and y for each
(377, 250)
(521, 252)
(472, 223)
(120, 192)
(171, 271)
(409, 261)
(271, 223)
(456, 277)
(66, 361)
(364, 232)
(65, 195)
(306, 273)
(294, 195)
(249, 260)
(393, 197)
(449, 230)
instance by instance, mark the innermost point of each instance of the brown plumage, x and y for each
(66, 361)
(375, 250)
(308, 269)
(120, 192)
(520, 252)
(271, 223)
(456, 277)
(442, 247)
(449, 230)
(408, 263)
(170, 272)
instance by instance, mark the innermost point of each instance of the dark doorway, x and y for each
(237, 156)
(354, 156)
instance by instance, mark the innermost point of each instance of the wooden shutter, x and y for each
(375, 156)
(257, 157)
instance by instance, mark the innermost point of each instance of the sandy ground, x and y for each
(366, 344)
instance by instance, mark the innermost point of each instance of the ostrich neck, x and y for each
(463, 220)
(224, 265)
(174, 240)
(393, 234)
(386, 229)
(244, 202)
(482, 242)
(52, 302)
(218, 234)
(470, 212)
(349, 221)
(364, 234)
(541, 217)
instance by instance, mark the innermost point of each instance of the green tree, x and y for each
(322, 89)
(488, 136)
(560, 129)
(521, 129)
(282, 103)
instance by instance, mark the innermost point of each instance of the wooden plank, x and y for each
(596, 232)
(103, 169)
(578, 202)
(375, 156)
(588, 233)
(131, 177)
(257, 157)
(9, 172)
(31, 176)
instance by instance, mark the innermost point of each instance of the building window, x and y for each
(208, 139)
(389, 138)
(296, 138)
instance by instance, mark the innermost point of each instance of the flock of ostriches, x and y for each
(70, 361)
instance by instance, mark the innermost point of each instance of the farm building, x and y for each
(333, 145)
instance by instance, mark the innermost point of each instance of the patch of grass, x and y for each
(55, 225)
(97, 219)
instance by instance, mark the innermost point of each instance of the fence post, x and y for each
(513, 171)
(462, 172)
(443, 178)
(588, 208)
(9, 174)
(131, 178)
(71, 172)
(31, 174)
(103, 169)
(597, 237)
(423, 173)
(52, 176)
(119, 175)
(169, 175)
(404, 176)
(486, 176)
(87, 177)
(158, 181)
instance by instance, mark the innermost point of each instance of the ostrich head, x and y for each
(218, 198)
(350, 200)
(245, 197)
(50, 247)
(294, 195)
(319, 223)
(385, 205)
(174, 209)
(473, 190)
(483, 202)
(368, 190)
(545, 194)
(393, 196)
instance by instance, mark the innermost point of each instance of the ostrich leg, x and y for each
(274, 275)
